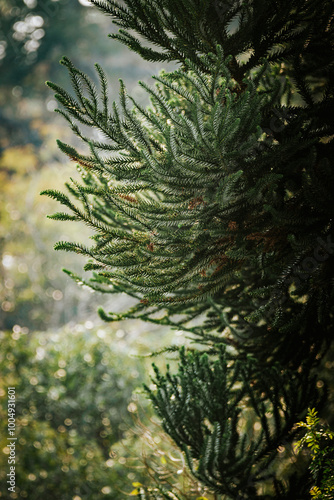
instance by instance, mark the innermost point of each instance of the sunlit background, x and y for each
(83, 426)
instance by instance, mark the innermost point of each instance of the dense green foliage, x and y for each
(213, 209)
(238, 206)
(207, 423)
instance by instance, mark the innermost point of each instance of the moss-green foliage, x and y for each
(154, 237)
(196, 198)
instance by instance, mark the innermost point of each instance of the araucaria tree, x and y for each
(213, 208)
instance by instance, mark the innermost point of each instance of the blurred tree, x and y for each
(37, 31)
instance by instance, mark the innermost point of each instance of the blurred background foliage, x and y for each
(74, 401)
(78, 427)
(84, 429)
